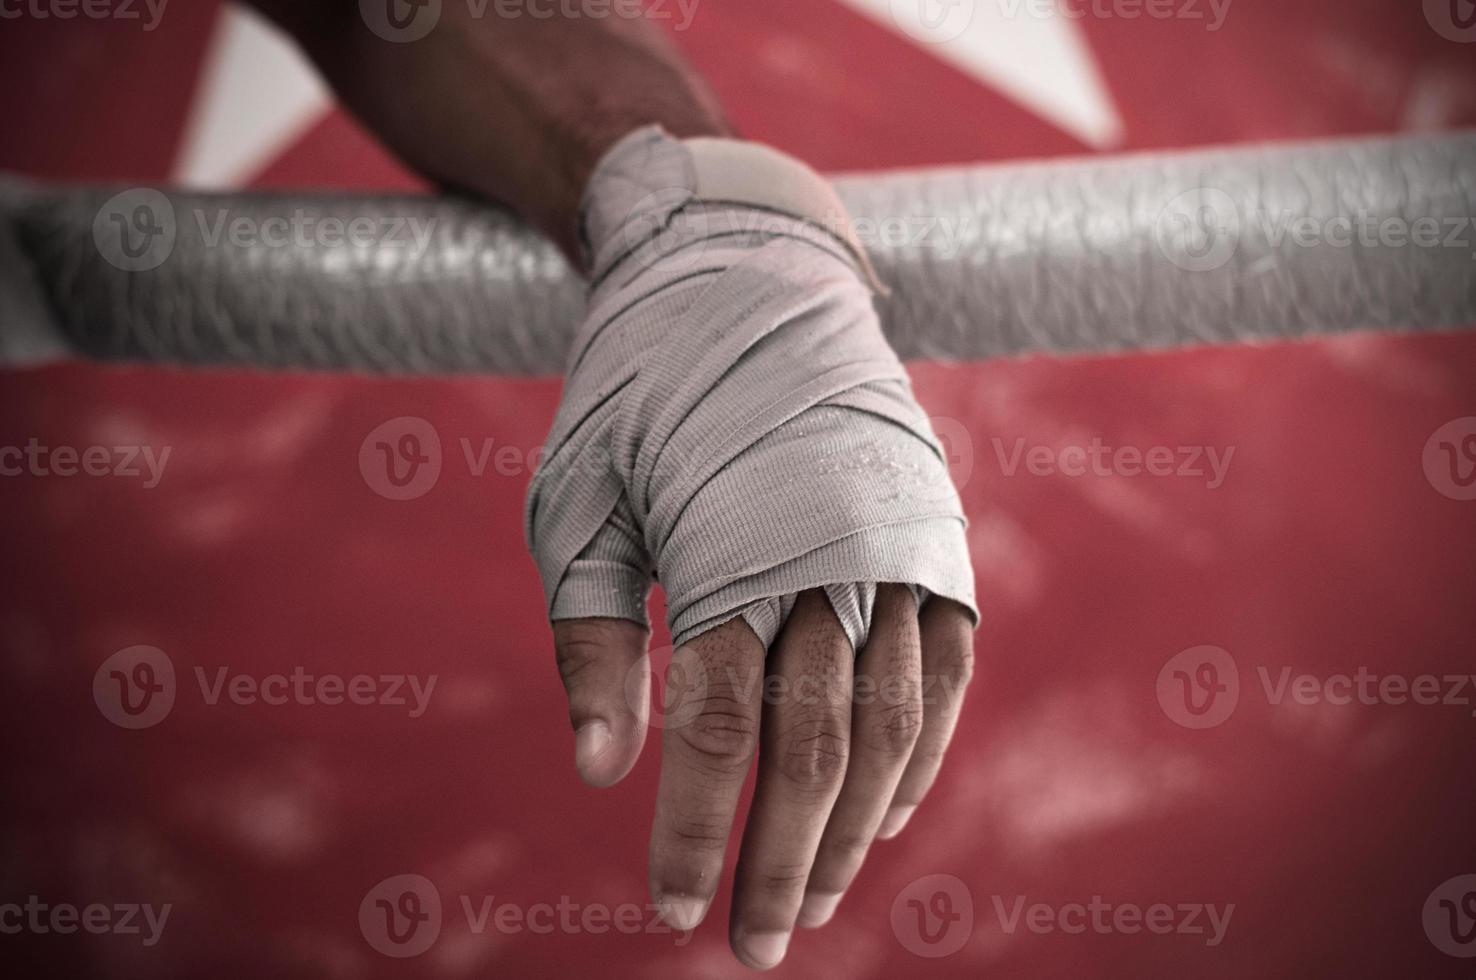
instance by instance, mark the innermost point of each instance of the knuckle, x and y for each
(892, 730)
(813, 753)
(929, 756)
(696, 834)
(955, 665)
(581, 643)
(848, 845)
(782, 880)
(722, 735)
(575, 655)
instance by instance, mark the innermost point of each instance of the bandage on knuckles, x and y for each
(733, 421)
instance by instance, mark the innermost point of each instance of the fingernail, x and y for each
(817, 908)
(764, 949)
(589, 743)
(894, 821)
(683, 914)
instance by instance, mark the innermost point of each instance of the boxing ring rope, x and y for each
(1099, 254)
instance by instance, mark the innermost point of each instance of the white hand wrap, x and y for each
(733, 420)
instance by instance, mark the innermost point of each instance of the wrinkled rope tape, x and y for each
(1086, 255)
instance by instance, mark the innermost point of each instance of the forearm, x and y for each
(514, 109)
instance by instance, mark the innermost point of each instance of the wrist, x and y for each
(586, 144)
(653, 195)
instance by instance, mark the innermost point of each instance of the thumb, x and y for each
(600, 634)
(608, 707)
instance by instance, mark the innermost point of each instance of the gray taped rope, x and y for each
(1099, 254)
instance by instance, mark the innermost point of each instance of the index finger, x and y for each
(706, 751)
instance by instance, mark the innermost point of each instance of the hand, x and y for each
(735, 422)
(834, 773)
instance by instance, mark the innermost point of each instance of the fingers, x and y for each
(607, 707)
(712, 724)
(805, 736)
(947, 636)
(885, 724)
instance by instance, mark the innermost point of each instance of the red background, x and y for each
(263, 549)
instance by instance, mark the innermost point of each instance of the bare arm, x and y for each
(515, 109)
